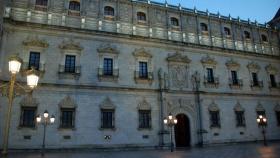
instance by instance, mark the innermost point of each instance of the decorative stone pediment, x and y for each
(67, 102)
(271, 69)
(144, 105)
(70, 45)
(29, 101)
(213, 107)
(178, 57)
(206, 61)
(107, 48)
(259, 107)
(277, 107)
(142, 53)
(107, 104)
(35, 42)
(253, 67)
(231, 64)
(238, 107)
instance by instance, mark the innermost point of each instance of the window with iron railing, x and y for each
(70, 64)
(141, 16)
(34, 60)
(109, 11)
(210, 75)
(234, 78)
(214, 118)
(108, 67)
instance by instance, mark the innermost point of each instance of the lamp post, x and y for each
(32, 81)
(47, 120)
(262, 121)
(170, 121)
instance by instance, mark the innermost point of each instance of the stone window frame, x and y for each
(272, 70)
(107, 16)
(176, 20)
(254, 67)
(144, 106)
(34, 44)
(72, 12)
(144, 14)
(233, 65)
(108, 51)
(108, 105)
(70, 48)
(226, 28)
(67, 103)
(277, 113)
(41, 7)
(28, 102)
(213, 107)
(204, 31)
(239, 108)
(208, 62)
(141, 55)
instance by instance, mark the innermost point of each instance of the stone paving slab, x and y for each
(225, 151)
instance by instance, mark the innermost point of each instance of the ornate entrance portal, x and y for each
(182, 131)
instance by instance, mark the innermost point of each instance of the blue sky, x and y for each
(260, 10)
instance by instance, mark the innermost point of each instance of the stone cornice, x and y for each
(252, 66)
(107, 48)
(142, 53)
(35, 42)
(70, 45)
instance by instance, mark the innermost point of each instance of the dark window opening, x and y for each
(272, 80)
(74, 5)
(41, 2)
(203, 27)
(70, 63)
(255, 79)
(34, 60)
(278, 117)
(143, 69)
(28, 115)
(227, 31)
(210, 75)
(234, 77)
(264, 38)
(144, 119)
(107, 118)
(260, 112)
(108, 67)
(141, 16)
(67, 118)
(247, 35)
(240, 119)
(109, 11)
(174, 21)
(215, 118)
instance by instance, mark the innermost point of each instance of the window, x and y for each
(41, 2)
(108, 67)
(34, 60)
(255, 79)
(141, 16)
(203, 27)
(74, 5)
(144, 118)
(107, 118)
(70, 63)
(174, 21)
(28, 115)
(264, 38)
(210, 76)
(109, 11)
(240, 119)
(234, 77)
(215, 119)
(278, 117)
(143, 69)
(272, 81)
(67, 118)
(227, 31)
(247, 34)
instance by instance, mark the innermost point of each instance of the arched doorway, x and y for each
(182, 131)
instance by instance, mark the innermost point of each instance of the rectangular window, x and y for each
(240, 119)
(107, 118)
(210, 75)
(255, 79)
(67, 118)
(28, 115)
(278, 117)
(108, 67)
(143, 69)
(234, 77)
(144, 118)
(70, 63)
(272, 80)
(34, 60)
(215, 118)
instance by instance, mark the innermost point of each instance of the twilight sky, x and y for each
(260, 10)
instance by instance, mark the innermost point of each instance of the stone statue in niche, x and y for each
(179, 76)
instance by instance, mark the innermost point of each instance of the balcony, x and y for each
(256, 84)
(235, 84)
(143, 79)
(274, 85)
(211, 82)
(26, 67)
(113, 76)
(69, 74)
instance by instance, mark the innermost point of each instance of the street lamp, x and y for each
(32, 81)
(170, 121)
(262, 121)
(47, 120)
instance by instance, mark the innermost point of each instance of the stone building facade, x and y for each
(111, 70)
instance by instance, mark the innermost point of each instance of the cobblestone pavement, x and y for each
(225, 151)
